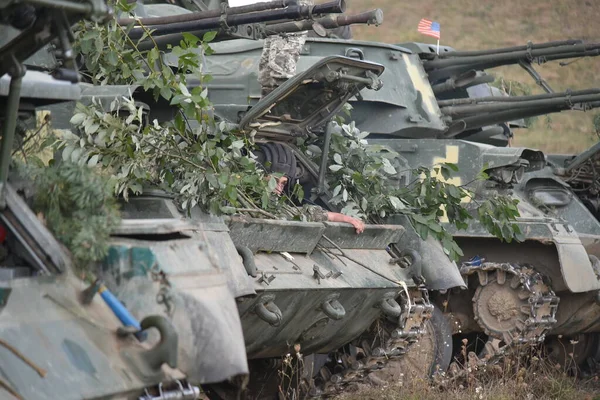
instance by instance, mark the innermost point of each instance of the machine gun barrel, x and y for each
(514, 99)
(261, 30)
(215, 23)
(449, 65)
(195, 16)
(561, 101)
(470, 114)
(566, 51)
(531, 46)
(373, 17)
(465, 80)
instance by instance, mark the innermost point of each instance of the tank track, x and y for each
(377, 351)
(537, 316)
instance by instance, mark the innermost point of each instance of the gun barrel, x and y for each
(465, 80)
(373, 17)
(515, 99)
(565, 51)
(171, 19)
(479, 121)
(294, 12)
(561, 102)
(510, 49)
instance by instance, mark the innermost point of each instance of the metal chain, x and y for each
(352, 369)
(541, 309)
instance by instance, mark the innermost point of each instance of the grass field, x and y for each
(480, 24)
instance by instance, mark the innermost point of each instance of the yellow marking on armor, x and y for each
(420, 82)
(451, 157)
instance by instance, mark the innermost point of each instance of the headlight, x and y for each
(548, 192)
(551, 197)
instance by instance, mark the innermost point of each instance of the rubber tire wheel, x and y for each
(440, 328)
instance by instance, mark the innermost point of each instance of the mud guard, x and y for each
(576, 270)
(440, 273)
(575, 265)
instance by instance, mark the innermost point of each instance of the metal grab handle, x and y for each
(269, 312)
(390, 307)
(166, 349)
(354, 50)
(333, 309)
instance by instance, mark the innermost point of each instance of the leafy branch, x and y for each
(208, 164)
(365, 184)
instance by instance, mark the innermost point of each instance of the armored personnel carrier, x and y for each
(516, 294)
(58, 340)
(313, 291)
(431, 110)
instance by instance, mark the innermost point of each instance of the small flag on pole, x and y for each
(429, 28)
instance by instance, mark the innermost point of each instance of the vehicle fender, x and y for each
(575, 265)
(439, 271)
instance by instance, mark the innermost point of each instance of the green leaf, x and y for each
(228, 209)
(435, 227)
(66, 153)
(337, 158)
(396, 203)
(337, 190)
(77, 119)
(335, 168)
(452, 166)
(93, 161)
(209, 36)
(238, 144)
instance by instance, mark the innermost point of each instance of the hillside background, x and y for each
(481, 24)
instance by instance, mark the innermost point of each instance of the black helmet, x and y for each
(277, 157)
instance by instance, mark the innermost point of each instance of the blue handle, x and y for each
(121, 312)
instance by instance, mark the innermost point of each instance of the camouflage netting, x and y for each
(279, 57)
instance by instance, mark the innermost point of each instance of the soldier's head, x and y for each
(277, 158)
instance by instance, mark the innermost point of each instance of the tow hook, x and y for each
(188, 392)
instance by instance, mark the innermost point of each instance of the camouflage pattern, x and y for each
(279, 57)
(311, 213)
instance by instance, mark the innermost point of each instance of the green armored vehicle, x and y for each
(406, 114)
(425, 113)
(313, 291)
(58, 340)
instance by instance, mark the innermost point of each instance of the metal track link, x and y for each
(537, 312)
(354, 369)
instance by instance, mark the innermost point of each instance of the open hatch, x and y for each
(311, 98)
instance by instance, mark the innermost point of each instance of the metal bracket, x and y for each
(264, 278)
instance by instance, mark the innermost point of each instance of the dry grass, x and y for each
(479, 24)
(518, 376)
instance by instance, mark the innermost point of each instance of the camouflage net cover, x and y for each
(280, 56)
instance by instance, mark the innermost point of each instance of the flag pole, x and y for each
(438, 47)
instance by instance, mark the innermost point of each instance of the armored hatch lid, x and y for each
(312, 97)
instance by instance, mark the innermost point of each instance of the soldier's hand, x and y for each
(358, 225)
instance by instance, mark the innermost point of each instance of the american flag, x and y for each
(429, 28)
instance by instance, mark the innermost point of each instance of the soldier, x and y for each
(278, 158)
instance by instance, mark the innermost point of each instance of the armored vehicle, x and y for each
(58, 340)
(315, 294)
(425, 112)
(408, 115)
